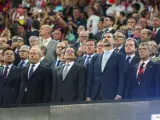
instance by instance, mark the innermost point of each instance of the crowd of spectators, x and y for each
(78, 50)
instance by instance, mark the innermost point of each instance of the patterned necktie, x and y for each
(65, 71)
(5, 73)
(31, 71)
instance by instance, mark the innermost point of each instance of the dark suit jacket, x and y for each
(157, 37)
(133, 62)
(149, 82)
(9, 87)
(72, 88)
(38, 86)
(46, 62)
(111, 80)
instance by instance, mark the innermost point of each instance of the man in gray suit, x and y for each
(48, 42)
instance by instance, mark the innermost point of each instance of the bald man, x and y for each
(48, 42)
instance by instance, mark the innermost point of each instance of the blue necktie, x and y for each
(31, 71)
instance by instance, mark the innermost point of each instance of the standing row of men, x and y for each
(107, 76)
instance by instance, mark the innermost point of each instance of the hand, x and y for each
(117, 98)
(88, 99)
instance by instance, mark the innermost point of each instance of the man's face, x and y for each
(33, 42)
(100, 47)
(43, 31)
(107, 22)
(131, 22)
(130, 47)
(83, 37)
(154, 47)
(76, 13)
(69, 54)
(9, 56)
(90, 47)
(3, 43)
(60, 47)
(57, 35)
(156, 22)
(142, 22)
(144, 35)
(143, 52)
(23, 54)
(108, 40)
(34, 56)
(119, 38)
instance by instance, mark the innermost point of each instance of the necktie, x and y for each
(154, 32)
(104, 60)
(1, 70)
(116, 50)
(21, 64)
(31, 71)
(140, 71)
(87, 60)
(5, 73)
(128, 58)
(58, 63)
(65, 71)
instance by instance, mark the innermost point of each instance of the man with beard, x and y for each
(9, 83)
(69, 80)
(106, 75)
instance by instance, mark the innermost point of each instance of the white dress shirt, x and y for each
(46, 41)
(35, 67)
(144, 66)
(132, 56)
(9, 68)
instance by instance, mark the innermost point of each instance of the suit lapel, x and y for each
(109, 61)
(71, 71)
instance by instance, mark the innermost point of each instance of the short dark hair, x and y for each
(111, 18)
(7, 49)
(134, 40)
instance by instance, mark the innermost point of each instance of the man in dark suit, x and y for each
(36, 81)
(90, 51)
(130, 50)
(156, 30)
(44, 61)
(119, 38)
(106, 73)
(143, 79)
(69, 80)
(24, 53)
(57, 62)
(9, 82)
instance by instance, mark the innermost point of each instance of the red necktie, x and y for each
(154, 32)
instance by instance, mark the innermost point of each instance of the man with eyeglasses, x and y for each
(119, 39)
(106, 76)
(9, 83)
(35, 80)
(59, 49)
(17, 42)
(24, 54)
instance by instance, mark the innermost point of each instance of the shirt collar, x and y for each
(145, 62)
(130, 55)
